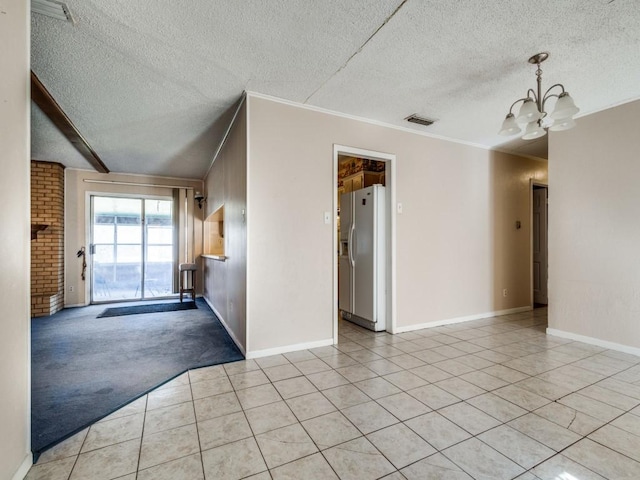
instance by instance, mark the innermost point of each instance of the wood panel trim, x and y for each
(41, 96)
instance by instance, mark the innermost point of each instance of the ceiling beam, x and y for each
(41, 96)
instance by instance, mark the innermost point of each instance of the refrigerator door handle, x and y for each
(351, 232)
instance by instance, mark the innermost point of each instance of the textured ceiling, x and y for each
(151, 84)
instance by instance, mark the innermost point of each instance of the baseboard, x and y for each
(468, 318)
(289, 348)
(594, 341)
(24, 468)
(226, 327)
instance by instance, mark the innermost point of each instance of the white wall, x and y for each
(457, 246)
(77, 221)
(14, 241)
(594, 227)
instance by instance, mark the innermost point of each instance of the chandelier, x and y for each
(532, 114)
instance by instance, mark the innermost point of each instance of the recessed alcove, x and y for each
(214, 234)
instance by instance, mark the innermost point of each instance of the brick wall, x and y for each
(47, 249)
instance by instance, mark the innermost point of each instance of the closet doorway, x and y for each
(539, 243)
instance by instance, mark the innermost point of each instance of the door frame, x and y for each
(390, 185)
(532, 184)
(89, 238)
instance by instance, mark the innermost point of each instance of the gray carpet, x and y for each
(148, 308)
(84, 368)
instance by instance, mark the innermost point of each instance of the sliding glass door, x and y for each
(132, 247)
(159, 251)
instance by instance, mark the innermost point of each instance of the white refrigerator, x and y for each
(362, 258)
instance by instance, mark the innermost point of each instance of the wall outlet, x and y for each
(504, 292)
(71, 288)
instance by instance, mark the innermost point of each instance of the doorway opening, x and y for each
(133, 254)
(539, 244)
(355, 173)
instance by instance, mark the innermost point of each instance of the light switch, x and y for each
(399, 209)
(327, 218)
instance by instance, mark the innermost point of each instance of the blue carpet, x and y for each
(83, 368)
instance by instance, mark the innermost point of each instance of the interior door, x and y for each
(540, 234)
(132, 248)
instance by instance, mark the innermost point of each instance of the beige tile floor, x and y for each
(488, 399)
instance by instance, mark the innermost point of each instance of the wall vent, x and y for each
(419, 120)
(52, 9)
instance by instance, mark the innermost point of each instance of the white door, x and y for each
(540, 262)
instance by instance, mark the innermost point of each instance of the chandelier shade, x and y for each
(533, 130)
(510, 126)
(532, 111)
(564, 107)
(562, 124)
(529, 112)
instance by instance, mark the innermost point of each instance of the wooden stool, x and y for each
(185, 269)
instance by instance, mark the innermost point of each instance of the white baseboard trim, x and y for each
(24, 468)
(226, 327)
(289, 348)
(468, 318)
(594, 341)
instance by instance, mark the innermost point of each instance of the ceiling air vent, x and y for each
(52, 9)
(419, 120)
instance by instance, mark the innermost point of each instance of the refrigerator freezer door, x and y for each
(344, 284)
(345, 276)
(346, 215)
(364, 275)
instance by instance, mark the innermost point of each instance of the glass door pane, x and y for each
(117, 240)
(159, 251)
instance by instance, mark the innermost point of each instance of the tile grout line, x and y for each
(193, 401)
(144, 418)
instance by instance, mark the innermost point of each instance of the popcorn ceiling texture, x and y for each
(148, 83)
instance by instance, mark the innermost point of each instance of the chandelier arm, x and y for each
(517, 101)
(551, 88)
(532, 94)
(548, 94)
(547, 97)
